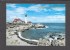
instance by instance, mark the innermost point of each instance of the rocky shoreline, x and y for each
(14, 38)
(60, 41)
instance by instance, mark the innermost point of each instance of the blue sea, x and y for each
(53, 28)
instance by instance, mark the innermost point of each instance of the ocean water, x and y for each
(53, 28)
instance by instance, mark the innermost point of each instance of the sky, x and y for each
(36, 13)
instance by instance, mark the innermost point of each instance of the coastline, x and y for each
(31, 41)
(15, 39)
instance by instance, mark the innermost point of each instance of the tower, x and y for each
(26, 19)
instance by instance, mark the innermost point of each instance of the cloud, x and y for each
(16, 12)
(11, 18)
(11, 5)
(10, 15)
(20, 11)
(48, 19)
(58, 8)
(37, 8)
